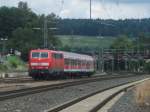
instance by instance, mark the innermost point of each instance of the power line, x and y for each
(61, 7)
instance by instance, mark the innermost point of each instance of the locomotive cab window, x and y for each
(35, 54)
(57, 56)
(39, 54)
(44, 55)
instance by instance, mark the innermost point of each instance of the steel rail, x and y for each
(27, 91)
(97, 107)
(16, 80)
(108, 99)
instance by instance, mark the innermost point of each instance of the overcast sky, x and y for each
(104, 9)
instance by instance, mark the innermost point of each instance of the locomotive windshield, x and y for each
(39, 55)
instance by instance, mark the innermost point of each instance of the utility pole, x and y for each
(3, 47)
(103, 61)
(99, 60)
(112, 51)
(3, 44)
(90, 9)
(45, 33)
(126, 59)
(45, 29)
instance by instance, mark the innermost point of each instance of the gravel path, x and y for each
(127, 104)
(45, 100)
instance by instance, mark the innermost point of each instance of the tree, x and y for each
(17, 25)
(143, 41)
(12, 18)
(23, 5)
(22, 40)
(123, 42)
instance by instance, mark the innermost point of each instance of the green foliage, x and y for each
(123, 42)
(12, 18)
(22, 39)
(23, 5)
(14, 62)
(143, 41)
(129, 27)
(3, 67)
(17, 24)
(147, 67)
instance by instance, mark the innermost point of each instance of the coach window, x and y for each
(57, 56)
(79, 62)
(60, 56)
(76, 62)
(66, 62)
(82, 62)
(72, 62)
(88, 64)
(69, 62)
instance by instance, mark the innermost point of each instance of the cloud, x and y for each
(105, 9)
(123, 1)
(65, 13)
(121, 11)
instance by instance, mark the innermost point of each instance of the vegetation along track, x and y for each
(34, 90)
(94, 102)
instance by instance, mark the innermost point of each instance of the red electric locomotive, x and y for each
(49, 63)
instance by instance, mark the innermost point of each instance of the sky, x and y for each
(103, 9)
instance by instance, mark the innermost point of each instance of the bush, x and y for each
(15, 61)
(3, 67)
(12, 63)
(147, 67)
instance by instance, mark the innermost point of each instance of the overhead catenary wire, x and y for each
(62, 2)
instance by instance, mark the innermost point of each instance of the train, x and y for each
(45, 64)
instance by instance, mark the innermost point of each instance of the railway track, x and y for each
(16, 80)
(34, 90)
(94, 102)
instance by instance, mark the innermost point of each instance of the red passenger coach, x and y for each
(49, 63)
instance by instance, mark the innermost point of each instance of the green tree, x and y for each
(23, 5)
(12, 18)
(24, 39)
(123, 42)
(17, 25)
(143, 41)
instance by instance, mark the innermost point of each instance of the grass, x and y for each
(12, 63)
(84, 41)
(142, 94)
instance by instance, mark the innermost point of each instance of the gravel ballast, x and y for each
(45, 100)
(127, 103)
